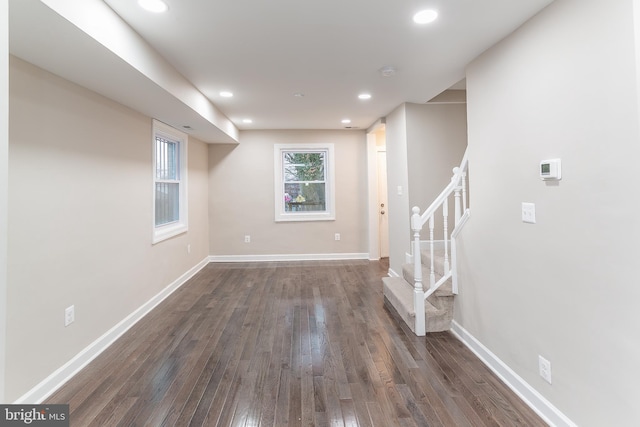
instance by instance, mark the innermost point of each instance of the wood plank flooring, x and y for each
(286, 344)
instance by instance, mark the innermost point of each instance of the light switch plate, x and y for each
(529, 213)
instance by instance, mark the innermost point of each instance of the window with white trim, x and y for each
(304, 182)
(169, 182)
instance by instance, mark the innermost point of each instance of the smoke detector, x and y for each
(387, 71)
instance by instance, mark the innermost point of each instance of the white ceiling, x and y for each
(267, 51)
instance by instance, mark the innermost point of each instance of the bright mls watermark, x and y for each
(34, 415)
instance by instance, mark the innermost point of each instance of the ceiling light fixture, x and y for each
(364, 96)
(226, 94)
(346, 121)
(155, 6)
(425, 16)
(247, 121)
(299, 95)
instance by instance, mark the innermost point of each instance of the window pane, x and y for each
(303, 166)
(305, 197)
(167, 202)
(167, 159)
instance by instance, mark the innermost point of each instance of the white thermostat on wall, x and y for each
(550, 170)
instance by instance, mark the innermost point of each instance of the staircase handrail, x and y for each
(457, 185)
(458, 174)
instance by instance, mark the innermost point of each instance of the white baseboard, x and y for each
(54, 381)
(287, 257)
(392, 273)
(549, 413)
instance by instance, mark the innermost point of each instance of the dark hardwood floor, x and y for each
(279, 344)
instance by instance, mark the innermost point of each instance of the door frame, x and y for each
(373, 202)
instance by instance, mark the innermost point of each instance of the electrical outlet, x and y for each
(529, 213)
(337, 236)
(544, 367)
(247, 239)
(69, 315)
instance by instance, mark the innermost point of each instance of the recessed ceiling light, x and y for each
(346, 121)
(247, 121)
(425, 16)
(155, 6)
(299, 95)
(364, 96)
(226, 94)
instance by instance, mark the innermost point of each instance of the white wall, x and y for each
(566, 288)
(241, 185)
(80, 215)
(424, 143)
(397, 176)
(437, 138)
(4, 152)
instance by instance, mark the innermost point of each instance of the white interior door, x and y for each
(383, 214)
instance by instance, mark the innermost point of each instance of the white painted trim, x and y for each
(164, 232)
(392, 273)
(287, 257)
(329, 214)
(63, 374)
(372, 184)
(549, 413)
(4, 187)
(454, 250)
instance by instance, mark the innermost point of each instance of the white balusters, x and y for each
(464, 190)
(432, 274)
(418, 290)
(456, 197)
(458, 188)
(445, 221)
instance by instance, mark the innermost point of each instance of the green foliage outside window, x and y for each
(304, 179)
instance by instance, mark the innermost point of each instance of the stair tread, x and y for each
(401, 292)
(398, 293)
(408, 274)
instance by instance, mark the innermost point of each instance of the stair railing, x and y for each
(457, 187)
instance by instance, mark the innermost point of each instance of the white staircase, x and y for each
(431, 309)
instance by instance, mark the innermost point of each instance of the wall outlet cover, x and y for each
(529, 213)
(544, 367)
(69, 315)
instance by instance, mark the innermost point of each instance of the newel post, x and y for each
(418, 290)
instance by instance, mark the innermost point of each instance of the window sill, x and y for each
(305, 217)
(163, 233)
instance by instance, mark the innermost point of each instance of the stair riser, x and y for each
(444, 290)
(398, 295)
(438, 262)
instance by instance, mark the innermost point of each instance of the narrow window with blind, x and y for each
(169, 182)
